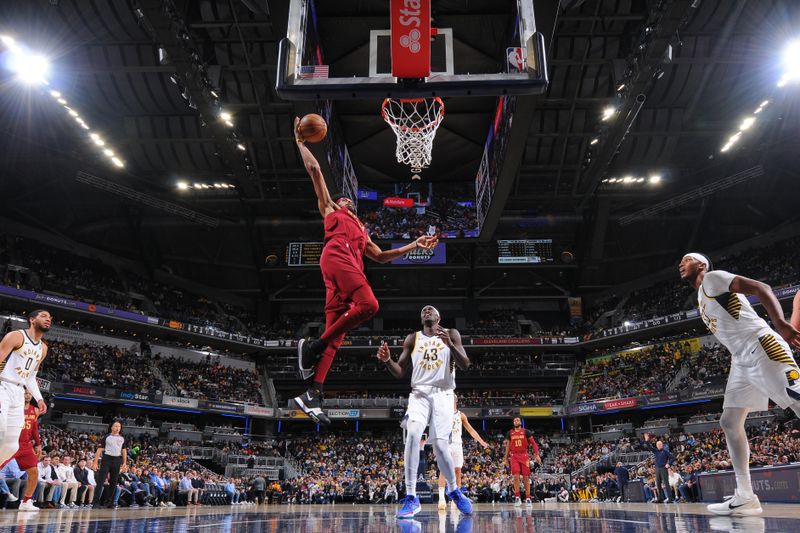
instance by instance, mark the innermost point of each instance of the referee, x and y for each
(113, 457)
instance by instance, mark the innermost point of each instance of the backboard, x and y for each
(330, 56)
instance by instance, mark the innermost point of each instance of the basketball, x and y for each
(312, 128)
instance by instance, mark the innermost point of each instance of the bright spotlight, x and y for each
(55, 94)
(627, 323)
(61, 101)
(224, 115)
(108, 153)
(182, 186)
(241, 147)
(595, 140)
(229, 123)
(655, 178)
(608, 112)
(99, 142)
(31, 69)
(73, 112)
(117, 162)
(791, 62)
(746, 123)
(94, 136)
(763, 104)
(639, 180)
(628, 179)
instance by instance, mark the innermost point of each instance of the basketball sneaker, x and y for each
(528, 502)
(462, 502)
(307, 354)
(737, 524)
(310, 402)
(410, 507)
(517, 502)
(11, 498)
(737, 506)
(28, 506)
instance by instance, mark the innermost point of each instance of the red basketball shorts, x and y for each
(520, 465)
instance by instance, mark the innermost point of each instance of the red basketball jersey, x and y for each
(519, 439)
(30, 431)
(343, 226)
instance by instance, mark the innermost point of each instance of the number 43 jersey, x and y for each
(432, 364)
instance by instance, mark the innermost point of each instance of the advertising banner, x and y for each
(72, 304)
(411, 38)
(44, 385)
(656, 399)
(420, 256)
(259, 411)
(294, 414)
(771, 484)
(398, 202)
(135, 396)
(492, 340)
(85, 390)
(221, 406)
(177, 401)
(343, 413)
(397, 412)
(501, 411)
(624, 403)
(536, 411)
(583, 408)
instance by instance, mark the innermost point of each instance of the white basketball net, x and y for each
(414, 122)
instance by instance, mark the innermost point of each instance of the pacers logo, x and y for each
(411, 41)
(792, 376)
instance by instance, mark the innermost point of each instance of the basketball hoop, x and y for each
(414, 122)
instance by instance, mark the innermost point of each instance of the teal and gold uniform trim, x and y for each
(775, 351)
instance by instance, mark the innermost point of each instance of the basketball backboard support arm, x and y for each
(291, 53)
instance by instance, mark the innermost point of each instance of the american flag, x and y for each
(313, 71)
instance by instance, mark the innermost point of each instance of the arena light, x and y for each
(594, 141)
(628, 179)
(118, 162)
(746, 123)
(55, 94)
(640, 180)
(627, 323)
(61, 101)
(31, 69)
(108, 153)
(224, 115)
(241, 147)
(791, 63)
(7, 40)
(655, 178)
(608, 112)
(182, 186)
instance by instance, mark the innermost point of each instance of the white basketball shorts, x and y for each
(434, 407)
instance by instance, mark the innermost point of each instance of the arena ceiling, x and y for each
(702, 66)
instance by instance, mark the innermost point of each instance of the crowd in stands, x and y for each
(710, 362)
(98, 364)
(209, 380)
(111, 366)
(443, 216)
(638, 372)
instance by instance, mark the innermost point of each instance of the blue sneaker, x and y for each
(464, 525)
(462, 502)
(411, 507)
(410, 526)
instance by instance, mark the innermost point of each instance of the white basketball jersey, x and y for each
(22, 362)
(432, 364)
(455, 436)
(732, 320)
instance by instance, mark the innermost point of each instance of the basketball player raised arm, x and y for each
(771, 305)
(471, 430)
(795, 321)
(328, 205)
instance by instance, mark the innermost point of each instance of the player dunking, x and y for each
(21, 353)
(27, 457)
(349, 300)
(460, 421)
(517, 444)
(433, 354)
(762, 365)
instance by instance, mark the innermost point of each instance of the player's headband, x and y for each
(435, 310)
(699, 257)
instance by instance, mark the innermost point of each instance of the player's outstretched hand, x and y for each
(427, 242)
(789, 333)
(484, 444)
(383, 353)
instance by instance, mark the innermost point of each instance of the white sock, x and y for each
(743, 485)
(441, 494)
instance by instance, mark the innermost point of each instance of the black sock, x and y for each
(317, 387)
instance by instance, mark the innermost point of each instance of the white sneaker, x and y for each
(28, 506)
(11, 498)
(517, 502)
(528, 503)
(737, 506)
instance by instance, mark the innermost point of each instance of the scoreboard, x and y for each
(525, 251)
(303, 253)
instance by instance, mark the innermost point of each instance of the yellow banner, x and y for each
(536, 411)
